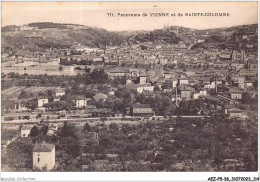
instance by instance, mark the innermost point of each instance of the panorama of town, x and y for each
(78, 98)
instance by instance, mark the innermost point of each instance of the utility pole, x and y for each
(176, 92)
(216, 86)
(176, 95)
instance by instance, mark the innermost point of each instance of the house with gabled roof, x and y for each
(43, 156)
(100, 96)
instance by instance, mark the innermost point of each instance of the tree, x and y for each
(167, 104)
(100, 103)
(50, 95)
(122, 92)
(255, 84)
(19, 155)
(44, 130)
(246, 98)
(143, 47)
(157, 104)
(98, 76)
(156, 88)
(67, 130)
(23, 95)
(141, 98)
(57, 106)
(31, 104)
(126, 128)
(42, 94)
(34, 131)
(113, 126)
(71, 146)
(86, 128)
(127, 96)
(118, 81)
(181, 65)
(89, 93)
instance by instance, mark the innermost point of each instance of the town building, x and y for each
(81, 102)
(236, 95)
(183, 81)
(211, 85)
(142, 88)
(142, 110)
(20, 106)
(172, 83)
(56, 98)
(117, 73)
(60, 92)
(185, 94)
(25, 131)
(42, 101)
(52, 129)
(196, 95)
(43, 156)
(142, 80)
(235, 113)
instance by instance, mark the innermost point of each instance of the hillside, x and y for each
(44, 35)
(233, 37)
(161, 35)
(37, 36)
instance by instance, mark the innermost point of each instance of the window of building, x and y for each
(38, 159)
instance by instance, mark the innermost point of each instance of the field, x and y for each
(17, 90)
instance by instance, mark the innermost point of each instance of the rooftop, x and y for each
(80, 97)
(25, 127)
(43, 147)
(141, 106)
(99, 96)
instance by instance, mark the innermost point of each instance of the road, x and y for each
(127, 118)
(252, 126)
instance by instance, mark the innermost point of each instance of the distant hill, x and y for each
(47, 34)
(44, 35)
(233, 37)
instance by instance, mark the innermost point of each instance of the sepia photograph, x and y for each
(129, 87)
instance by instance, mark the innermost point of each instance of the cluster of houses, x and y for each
(139, 54)
(188, 83)
(43, 154)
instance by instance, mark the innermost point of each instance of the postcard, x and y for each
(169, 87)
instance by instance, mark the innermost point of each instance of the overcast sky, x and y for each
(95, 14)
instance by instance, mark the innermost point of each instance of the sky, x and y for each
(95, 14)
